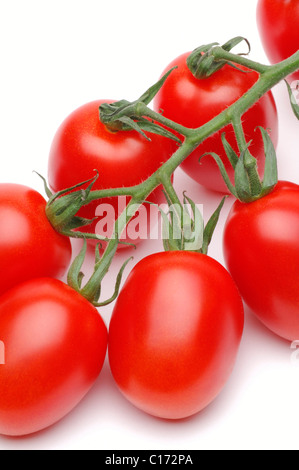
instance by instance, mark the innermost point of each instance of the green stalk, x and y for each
(269, 77)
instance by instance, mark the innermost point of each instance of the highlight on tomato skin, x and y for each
(29, 245)
(261, 251)
(55, 346)
(82, 144)
(175, 333)
(193, 102)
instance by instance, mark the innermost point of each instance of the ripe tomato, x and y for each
(174, 333)
(278, 26)
(83, 144)
(29, 246)
(55, 345)
(261, 247)
(193, 102)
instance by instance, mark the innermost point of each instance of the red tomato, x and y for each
(261, 246)
(278, 22)
(55, 345)
(83, 144)
(193, 102)
(174, 333)
(29, 246)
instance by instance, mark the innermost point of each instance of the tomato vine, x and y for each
(124, 115)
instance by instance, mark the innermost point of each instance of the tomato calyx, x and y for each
(63, 206)
(61, 212)
(91, 291)
(184, 228)
(124, 115)
(203, 63)
(248, 185)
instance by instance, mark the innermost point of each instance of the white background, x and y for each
(57, 55)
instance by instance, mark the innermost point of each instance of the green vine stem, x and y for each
(138, 112)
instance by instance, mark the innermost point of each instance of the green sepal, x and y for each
(141, 124)
(93, 287)
(63, 206)
(128, 124)
(77, 222)
(172, 235)
(242, 183)
(229, 45)
(200, 60)
(231, 154)
(248, 186)
(178, 236)
(117, 286)
(202, 63)
(197, 226)
(150, 94)
(211, 226)
(223, 171)
(46, 187)
(294, 104)
(75, 275)
(152, 127)
(124, 115)
(271, 170)
(97, 287)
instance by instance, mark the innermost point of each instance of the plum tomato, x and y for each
(55, 343)
(193, 102)
(278, 27)
(83, 144)
(261, 249)
(174, 333)
(29, 246)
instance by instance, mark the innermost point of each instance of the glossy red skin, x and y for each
(175, 333)
(278, 22)
(261, 248)
(83, 144)
(55, 346)
(29, 246)
(193, 102)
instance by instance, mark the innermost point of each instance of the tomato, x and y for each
(174, 334)
(193, 102)
(278, 27)
(83, 144)
(29, 246)
(55, 345)
(261, 248)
